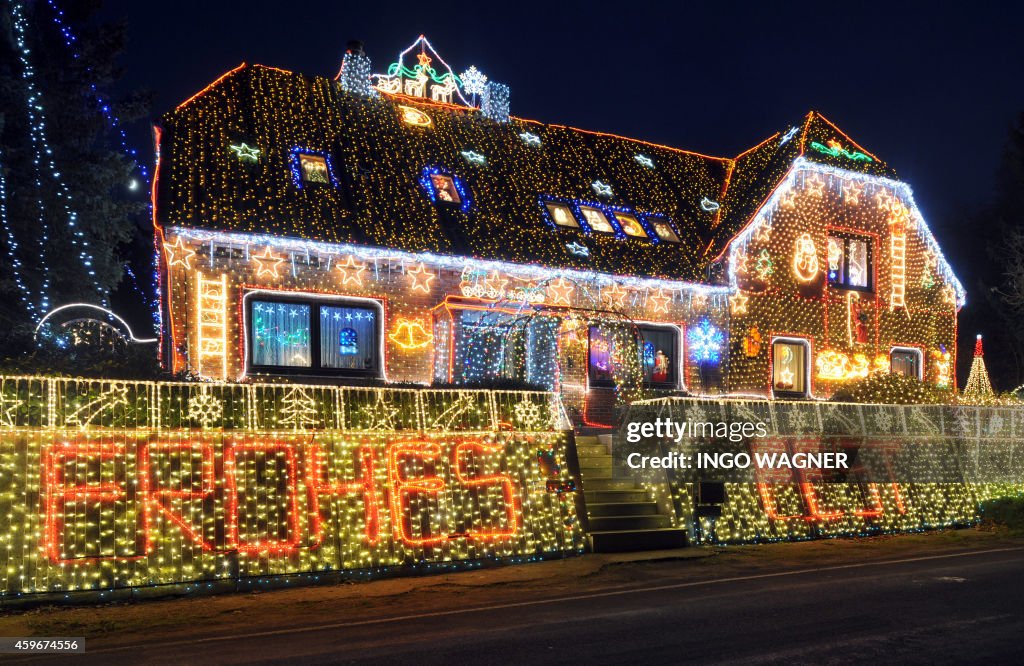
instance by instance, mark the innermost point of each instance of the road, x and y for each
(947, 608)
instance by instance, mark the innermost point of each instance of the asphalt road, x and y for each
(959, 608)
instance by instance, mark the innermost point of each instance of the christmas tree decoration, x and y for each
(979, 387)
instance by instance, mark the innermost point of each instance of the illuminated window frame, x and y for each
(610, 212)
(548, 205)
(295, 161)
(648, 221)
(808, 359)
(918, 355)
(645, 233)
(680, 354)
(427, 183)
(846, 239)
(314, 301)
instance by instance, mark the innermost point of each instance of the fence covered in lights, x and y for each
(110, 484)
(931, 466)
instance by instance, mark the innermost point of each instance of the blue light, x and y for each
(428, 184)
(706, 341)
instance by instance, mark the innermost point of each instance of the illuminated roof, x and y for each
(382, 150)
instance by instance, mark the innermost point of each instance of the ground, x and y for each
(943, 596)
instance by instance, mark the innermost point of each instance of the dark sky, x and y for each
(929, 87)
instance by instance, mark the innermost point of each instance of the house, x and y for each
(405, 228)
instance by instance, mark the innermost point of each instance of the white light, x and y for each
(133, 184)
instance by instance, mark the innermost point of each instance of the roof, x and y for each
(379, 194)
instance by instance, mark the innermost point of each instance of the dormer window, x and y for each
(444, 187)
(313, 168)
(663, 228)
(597, 220)
(631, 225)
(562, 215)
(310, 167)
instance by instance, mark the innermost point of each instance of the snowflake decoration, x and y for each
(706, 342)
(473, 81)
(527, 415)
(205, 409)
(883, 420)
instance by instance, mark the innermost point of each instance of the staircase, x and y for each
(621, 515)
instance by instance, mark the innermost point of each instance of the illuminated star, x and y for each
(560, 291)
(699, 301)
(644, 160)
(578, 249)
(884, 200)
(530, 139)
(421, 278)
(659, 301)
(473, 157)
(351, 271)
(494, 285)
(424, 60)
(763, 233)
(381, 415)
(602, 189)
(738, 303)
(851, 193)
(788, 200)
(786, 377)
(615, 295)
(267, 263)
(246, 152)
(814, 185)
(179, 253)
(709, 205)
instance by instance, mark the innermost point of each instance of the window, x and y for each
(663, 229)
(789, 367)
(630, 225)
(601, 357)
(906, 361)
(597, 220)
(280, 334)
(493, 345)
(562, 215)
(444, 188)
(659, 348)
(307, 335)
(313, 168)
(849, 262)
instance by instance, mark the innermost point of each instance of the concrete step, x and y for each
(636, 540)
(595, 461)
(595, 468)
(587, 439)
(607, 483)
(603, 509)
(628, 523)
(592, 450)
(616, 496)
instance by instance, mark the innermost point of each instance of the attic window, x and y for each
(562, 215)
(310, 167)
(663, 228)
(313, 168)
(444, 187)
(597, 220)
(631, 225)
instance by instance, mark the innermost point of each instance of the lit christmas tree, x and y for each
(979, 387)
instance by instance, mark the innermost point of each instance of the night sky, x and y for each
(931, 88)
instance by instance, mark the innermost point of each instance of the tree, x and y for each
(68, 201)
(1007, 292)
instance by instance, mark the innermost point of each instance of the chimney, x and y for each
(354, 76)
